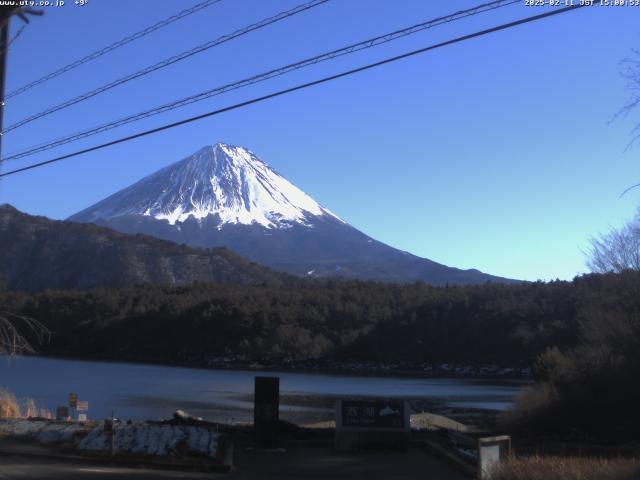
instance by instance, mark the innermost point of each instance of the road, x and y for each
(298, 463)
(17, 468)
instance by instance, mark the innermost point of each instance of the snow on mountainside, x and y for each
(226, 196)
(223, 180)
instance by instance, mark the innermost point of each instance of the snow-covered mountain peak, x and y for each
(224, 180)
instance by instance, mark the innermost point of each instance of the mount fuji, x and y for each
(224, 195)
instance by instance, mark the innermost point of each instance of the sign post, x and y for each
(109, 429)
(266, 411)
(62, 413)
(73, 402)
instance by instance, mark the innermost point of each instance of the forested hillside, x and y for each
(365, 321)
(38, 253)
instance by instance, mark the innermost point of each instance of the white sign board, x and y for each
(372, 423)
(371, 414)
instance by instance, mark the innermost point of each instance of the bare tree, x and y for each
(12, 341)
(617, 250)
(631, 72)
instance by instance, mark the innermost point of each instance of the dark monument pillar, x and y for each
(265, 411)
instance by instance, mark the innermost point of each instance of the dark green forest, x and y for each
(591, 390)
(347, 320)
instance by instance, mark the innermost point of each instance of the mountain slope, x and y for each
(226, 182)
(226, 196)
(39, 253)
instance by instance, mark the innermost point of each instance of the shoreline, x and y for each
(298, 406)
(491, 373)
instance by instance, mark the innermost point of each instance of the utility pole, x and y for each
(5, 16)
(4, 42)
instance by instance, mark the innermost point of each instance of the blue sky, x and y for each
(497, 154)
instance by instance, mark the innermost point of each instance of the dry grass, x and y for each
(30, 409)
(568, 468)
(533, 401)
(9, 406)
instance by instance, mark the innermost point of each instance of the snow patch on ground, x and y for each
(139, 437)
(44, 431)
(154, 439)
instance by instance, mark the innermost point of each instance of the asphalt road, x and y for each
(16, 468)
(294, 464)
(324, 463)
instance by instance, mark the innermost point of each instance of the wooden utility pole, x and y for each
(4, 49)
(5, 16)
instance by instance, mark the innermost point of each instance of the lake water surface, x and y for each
(150, 391)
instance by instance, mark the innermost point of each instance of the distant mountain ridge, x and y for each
(224, 195)
(39, 253)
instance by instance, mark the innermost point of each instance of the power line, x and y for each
(369, 43)
(10, 41)
(169, 61)
(16, 35)
(113, 46)
(236, 106)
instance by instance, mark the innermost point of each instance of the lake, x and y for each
(140, 391)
